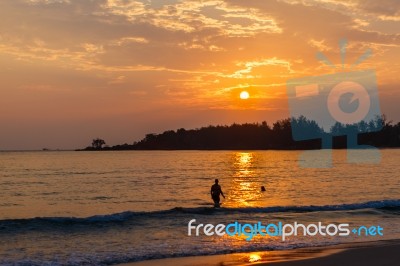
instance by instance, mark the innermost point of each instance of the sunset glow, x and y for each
(74, 70)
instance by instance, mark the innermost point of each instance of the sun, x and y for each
(244, 95)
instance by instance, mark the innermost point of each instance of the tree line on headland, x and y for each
(261, 136)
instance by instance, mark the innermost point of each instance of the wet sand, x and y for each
(373, 253)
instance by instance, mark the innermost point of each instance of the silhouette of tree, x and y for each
(378, 132)
(98, 143)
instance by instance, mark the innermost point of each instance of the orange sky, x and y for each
(73, 70)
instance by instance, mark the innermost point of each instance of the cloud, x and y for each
(320, 45)
(193, 16)
(251, 65)
(385, 9)
(48, 2)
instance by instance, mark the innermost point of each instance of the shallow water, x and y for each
(113, 207)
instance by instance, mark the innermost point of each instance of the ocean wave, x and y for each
(382, 204)
(388, 205)
(109, 258)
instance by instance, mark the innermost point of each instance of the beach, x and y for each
(357, 254)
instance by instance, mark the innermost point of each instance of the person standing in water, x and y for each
(215, 192)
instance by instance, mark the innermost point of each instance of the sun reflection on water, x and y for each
(254, 257)
(245, 184)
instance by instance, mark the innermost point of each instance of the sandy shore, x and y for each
(373, 253)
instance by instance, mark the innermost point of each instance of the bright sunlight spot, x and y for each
(254, 257)
(244, 95)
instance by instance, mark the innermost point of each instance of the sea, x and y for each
(113, 207)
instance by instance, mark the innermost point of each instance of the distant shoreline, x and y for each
(286, 134)
(241, 150)
(102, 150)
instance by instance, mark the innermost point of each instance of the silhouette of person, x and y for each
(215, 192)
